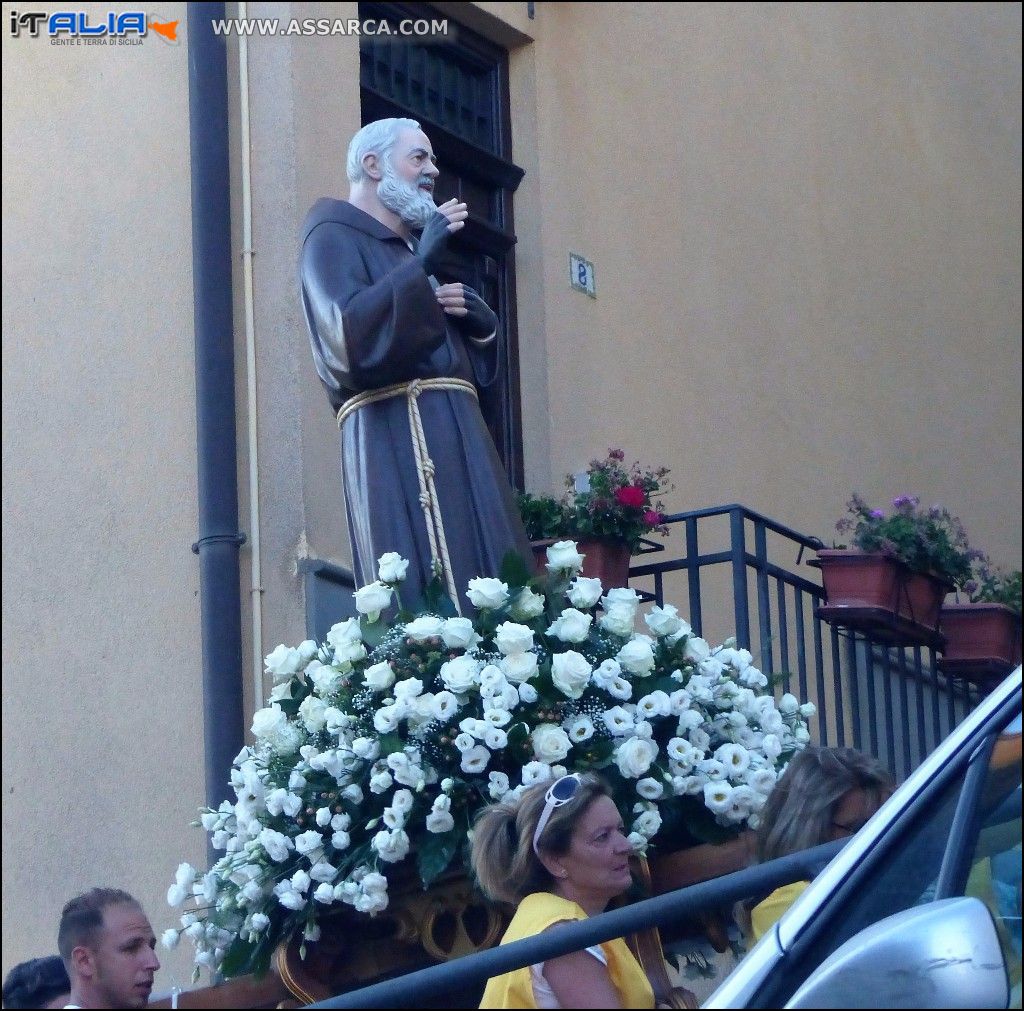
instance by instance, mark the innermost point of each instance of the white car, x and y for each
(922, 908)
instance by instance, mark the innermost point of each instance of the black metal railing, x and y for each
(889, 700)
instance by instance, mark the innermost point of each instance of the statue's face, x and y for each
(406, 187)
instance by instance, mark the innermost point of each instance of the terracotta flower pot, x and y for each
(877, 594)
(982, 640)
(607, 561)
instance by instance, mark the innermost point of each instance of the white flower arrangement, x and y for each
(386, 739)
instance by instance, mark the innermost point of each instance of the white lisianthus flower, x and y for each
(282, 802)
(571, 625)
(391, 846)
(440, 822)
(563, 556)
(527, 605)
(486, 592)
(648, 823)
(639, 843)
(408, 689)
(584, 592)
(618, 721)
(665, 621)
(308, 842)
(386, 719)
(650, 788)
(324, 893)
(807, 710)
(464, 742)
(550, 743)
(444, 706)
(460, 674)
(497, 717)
(535, 772)
(519, 667)
(634, 756)
(458, 633)
(169, 938)
(475, 759)
(734, 758)
(498, 785)
(391, 567)
(711, 769)
(492, 679)
(618, 619)
(580, 729)
(653, 705)
(718, 796)
(276, 844)
(606, 673)
(495, 738)
(512, 639)
(570, 673)
(372, 599)
(621, 689)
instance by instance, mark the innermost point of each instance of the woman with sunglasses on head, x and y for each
(824, 794)
(560, 854)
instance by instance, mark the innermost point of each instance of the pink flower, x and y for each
(631, 495)
(652, 518)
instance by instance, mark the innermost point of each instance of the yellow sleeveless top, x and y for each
(536, 913)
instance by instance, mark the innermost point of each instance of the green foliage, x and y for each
(928, 540)
(544, 516)
(995, 586)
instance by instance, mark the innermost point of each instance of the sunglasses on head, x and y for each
(560, 792)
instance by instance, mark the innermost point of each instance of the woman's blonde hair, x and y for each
(502, 855)
(800, 809)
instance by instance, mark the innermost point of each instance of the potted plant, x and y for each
(983, 634)
(379, 745)
(607, 510)
(892, 579)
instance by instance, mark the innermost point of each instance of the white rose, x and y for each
(512, 639)
(634, 756)
(571, 625)
(697, 649)
(527, 604)
(426, 626)
(663, 621)
(487, 592)
(519, 667)
(618, 619)
(326, 680)
(283, 662)
(562, 556)
(570, 673)
(391, 567)
(460, 674)
(637, 656)
(313, 711)
(458, 633)
(550, 743)
(584, 592)
(343, 632)
(379, 677)
(372, 599)
(621, 595)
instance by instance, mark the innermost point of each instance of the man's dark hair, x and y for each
(36, 982)
(83, 916)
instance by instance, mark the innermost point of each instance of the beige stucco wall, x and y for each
(805, 223)
(102, 740)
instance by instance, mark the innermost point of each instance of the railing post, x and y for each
(738, 552)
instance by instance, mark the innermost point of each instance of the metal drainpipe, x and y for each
(219, 536)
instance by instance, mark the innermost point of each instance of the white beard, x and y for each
(414, 206)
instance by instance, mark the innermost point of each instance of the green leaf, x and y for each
(373, 631)
(390, 744)
(435, 854)
(435, 600)
(514, 570)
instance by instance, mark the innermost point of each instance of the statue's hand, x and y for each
(450, 217)
(468, 308)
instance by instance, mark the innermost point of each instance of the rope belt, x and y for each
(440, 562)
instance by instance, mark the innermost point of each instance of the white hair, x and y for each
(378, 138)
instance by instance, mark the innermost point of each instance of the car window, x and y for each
(962, 836)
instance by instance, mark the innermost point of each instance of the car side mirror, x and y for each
(945, 954)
